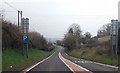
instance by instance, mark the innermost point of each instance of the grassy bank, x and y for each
(103, 39)
(91, 54)
(12, 60)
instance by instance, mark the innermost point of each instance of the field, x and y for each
(103, 39)
(12, 60)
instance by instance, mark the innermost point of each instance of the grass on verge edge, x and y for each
(11, 58)
(106, 59)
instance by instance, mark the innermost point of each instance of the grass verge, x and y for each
(90, 55)
(12, 60)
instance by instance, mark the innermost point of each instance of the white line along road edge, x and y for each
(97, 62)
(74, 64)
(39, 63)
(66, 64)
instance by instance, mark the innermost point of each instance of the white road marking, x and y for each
(74, 64)
(66, 64)
(96, 63)
(39, 63)
(66, 54)
(106, 65)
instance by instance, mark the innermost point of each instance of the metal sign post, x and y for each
(25, 36)
(114, 37)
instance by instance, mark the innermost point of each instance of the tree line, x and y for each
(10, 38)
(74, 39)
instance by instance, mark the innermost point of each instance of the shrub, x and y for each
(10, 38)
(70, 41)
(10, 35)
(37, 41)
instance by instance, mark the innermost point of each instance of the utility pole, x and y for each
(117, 38)
(21, 25)
(18, 30)
(25, 30)
(111, 40)
(118, 35)
(18, 21)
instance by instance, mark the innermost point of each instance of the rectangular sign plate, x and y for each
(25, 38)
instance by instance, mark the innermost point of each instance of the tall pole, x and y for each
(21, 17)
(18, 21)
(112, 40)
(116, 38)
(18, 30)
(22, 33)
(27, 51)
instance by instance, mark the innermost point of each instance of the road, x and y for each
(54, 64)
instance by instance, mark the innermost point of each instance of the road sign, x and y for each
(25, 26)
(25, 30)
(114, 27)
(114, 36)
(25, 39)
(113, 40)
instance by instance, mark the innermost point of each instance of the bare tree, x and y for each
(73, 38)
(75, 30)
(88, 35)
(104, 30)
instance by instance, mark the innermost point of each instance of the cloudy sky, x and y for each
(52, 18)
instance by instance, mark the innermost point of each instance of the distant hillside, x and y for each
(53, 40)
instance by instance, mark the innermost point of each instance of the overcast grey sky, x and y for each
(52, 18)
